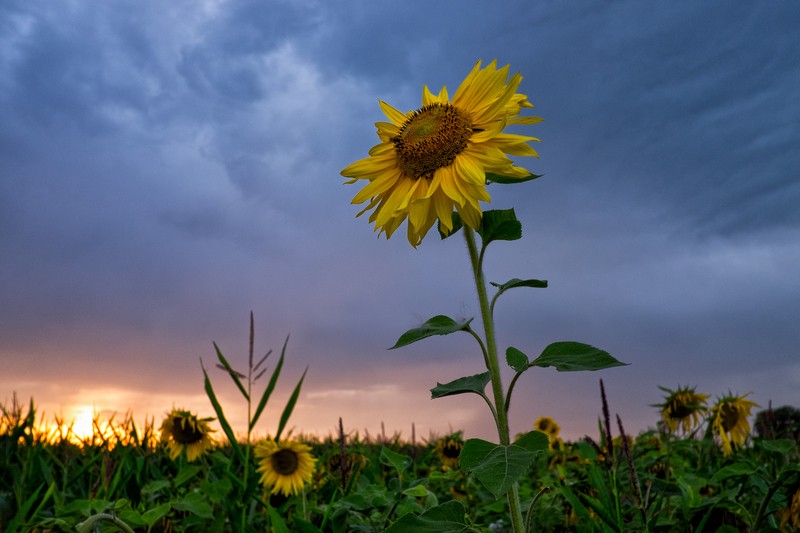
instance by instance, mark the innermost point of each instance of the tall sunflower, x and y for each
(682, 408)
(730, 421)
(182, 430)
(435, 159)
(285, 466)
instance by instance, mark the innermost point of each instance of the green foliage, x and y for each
(438, 325)
(491, 177)
(575, 356)
(499, 467)
(475, 384)
(393, 485)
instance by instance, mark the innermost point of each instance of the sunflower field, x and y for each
(681, 476)
(702, 468)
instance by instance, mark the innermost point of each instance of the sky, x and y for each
(167, 168)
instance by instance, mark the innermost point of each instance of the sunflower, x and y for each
(682, 408)
(435, 159)
(730, 421)
(285, 466)
(448, 449)
(790, 515)
(183, 430)
(548, 426)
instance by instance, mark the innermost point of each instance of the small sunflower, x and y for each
(448, 449)
(435, 159)
(682, 408)
(183, 430)
(730, 421)
(285, 466)
(790, 515)
(549, 427)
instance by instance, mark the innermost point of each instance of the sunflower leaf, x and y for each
(396, 460)
(505, 180)
(278, 524)
(517, 360)
(476, 384)
(270, 386)
(449, 517)
(195, 503)
(457, 225)
(575, 356)
(499, 225)
(438, 325)
(534, 441)
(516, 282)
(498, 467)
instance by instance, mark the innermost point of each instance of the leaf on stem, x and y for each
(396, 460)
(438, 325)
(449, 517)
(499, 225)
(476, 384)
(574, 356)
(491, 177)
(517, 360)
(498, 467)
(516, 282)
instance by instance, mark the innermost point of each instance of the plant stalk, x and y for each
(492, 364)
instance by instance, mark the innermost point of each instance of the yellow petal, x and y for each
(376, 187)
(470, 170)
(397, 117)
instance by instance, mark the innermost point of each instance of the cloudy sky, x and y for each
(165, 168)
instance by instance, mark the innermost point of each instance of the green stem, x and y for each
(492, 364)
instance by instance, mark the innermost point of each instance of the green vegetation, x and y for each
(123, 479)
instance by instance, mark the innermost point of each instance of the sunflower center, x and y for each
(185, 431)
(679, 409)
(452, 450)
(730, 417)
(431, 139)
(284, 462)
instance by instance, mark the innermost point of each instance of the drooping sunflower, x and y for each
(730, 422)
(285, 466)
(182, 430)
(549, 427)
(448, 449)
(682, 408)
(435, 159)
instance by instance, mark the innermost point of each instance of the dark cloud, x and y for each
(165, 169)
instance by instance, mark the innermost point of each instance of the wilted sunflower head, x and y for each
(285, 466)
(435, 159)
(730, 422)
(682, 408)
(448, 449)
(182, 430)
